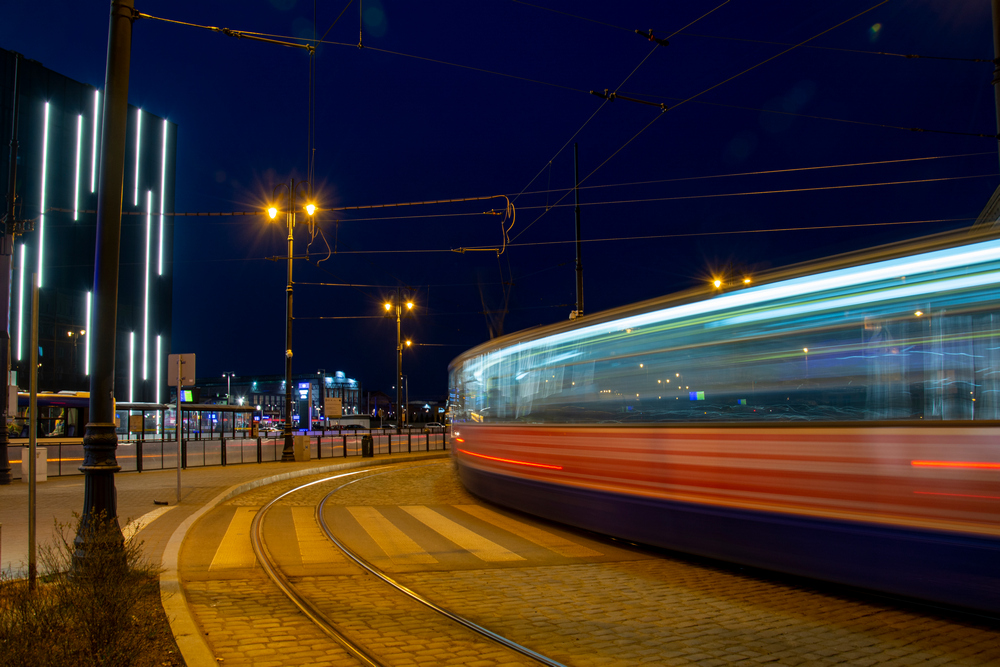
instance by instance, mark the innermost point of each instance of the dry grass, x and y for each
(99, 605)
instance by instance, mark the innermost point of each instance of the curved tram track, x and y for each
(322, 619)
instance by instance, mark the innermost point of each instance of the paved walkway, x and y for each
(161, 527)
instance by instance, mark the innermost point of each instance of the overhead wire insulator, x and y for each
(615, 96)
(648, 34)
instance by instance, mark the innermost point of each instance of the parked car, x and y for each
(433, 427)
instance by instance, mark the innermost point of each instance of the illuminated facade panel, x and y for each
(94, 149)
(40, 230)
(86, 349)
(59, 132)
(138, 151)
(20, 300)
(76, 179)
(145, 297)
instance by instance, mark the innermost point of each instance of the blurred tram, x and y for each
(839, 420)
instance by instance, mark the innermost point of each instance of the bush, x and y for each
(96, 602)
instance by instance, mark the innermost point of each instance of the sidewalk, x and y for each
(60, 497)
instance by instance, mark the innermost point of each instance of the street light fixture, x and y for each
(399, 306)
(288, 451)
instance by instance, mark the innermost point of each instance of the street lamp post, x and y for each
(399, 351)
(229, 377)
(288, 451)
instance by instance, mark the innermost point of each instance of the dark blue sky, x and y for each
(661, 212)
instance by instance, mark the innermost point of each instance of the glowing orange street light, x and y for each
(288, 451)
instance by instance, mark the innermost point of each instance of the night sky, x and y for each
(453, 100)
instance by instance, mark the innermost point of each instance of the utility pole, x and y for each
(579, 246)
(995, 5)
(6, 265)
(100, 440)
(399, 368)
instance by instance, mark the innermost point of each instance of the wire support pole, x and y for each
(100, 440)
(995, 6)
(579, 246)
(399, 365)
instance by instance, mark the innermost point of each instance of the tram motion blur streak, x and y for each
(838, 420)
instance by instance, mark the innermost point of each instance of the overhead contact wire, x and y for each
(713, 87)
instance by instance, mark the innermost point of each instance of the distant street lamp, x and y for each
(228, 377)
(288, 452)
(398, 305)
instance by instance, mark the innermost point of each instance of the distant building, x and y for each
(268, 393)
(421, 411)
(59, 135)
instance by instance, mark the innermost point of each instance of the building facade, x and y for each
(267, 394)
(58, 144)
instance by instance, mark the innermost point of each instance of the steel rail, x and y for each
(307, 608)
(461, 620)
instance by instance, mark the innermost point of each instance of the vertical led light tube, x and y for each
(163, 198)
(86, 347)
(41, 216)
(145, 297)
(20, 299)
(157, 392)
(79, 149)
(131, 366)
(93, 150)
(138, 147)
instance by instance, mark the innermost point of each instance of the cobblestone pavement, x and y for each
(615, 606)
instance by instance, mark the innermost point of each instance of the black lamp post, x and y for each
(100, 440)
(398, 306)
(288, 452)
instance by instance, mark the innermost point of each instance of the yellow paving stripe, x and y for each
(235, 551)
(542, 538)
(134, 526)
(314, 547)
(476, 544)
(396, 544)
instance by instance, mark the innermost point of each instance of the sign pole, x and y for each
(183, 366)
(178, 421)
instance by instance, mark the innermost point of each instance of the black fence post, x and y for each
(345, 446)
(184, 454)
(259, 457)
(319, 447)
(427, 442)
(222, 439)
(409, 442)
(138, 456)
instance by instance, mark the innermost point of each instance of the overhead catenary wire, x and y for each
(283, 40)
(239, 34)
(663, 107)
(643, 237)
(826, 118)
(596, 111)
(769, 172)
(761, 41)
(818, 188)
(710, 88)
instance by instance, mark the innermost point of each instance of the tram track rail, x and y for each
(329, 626)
